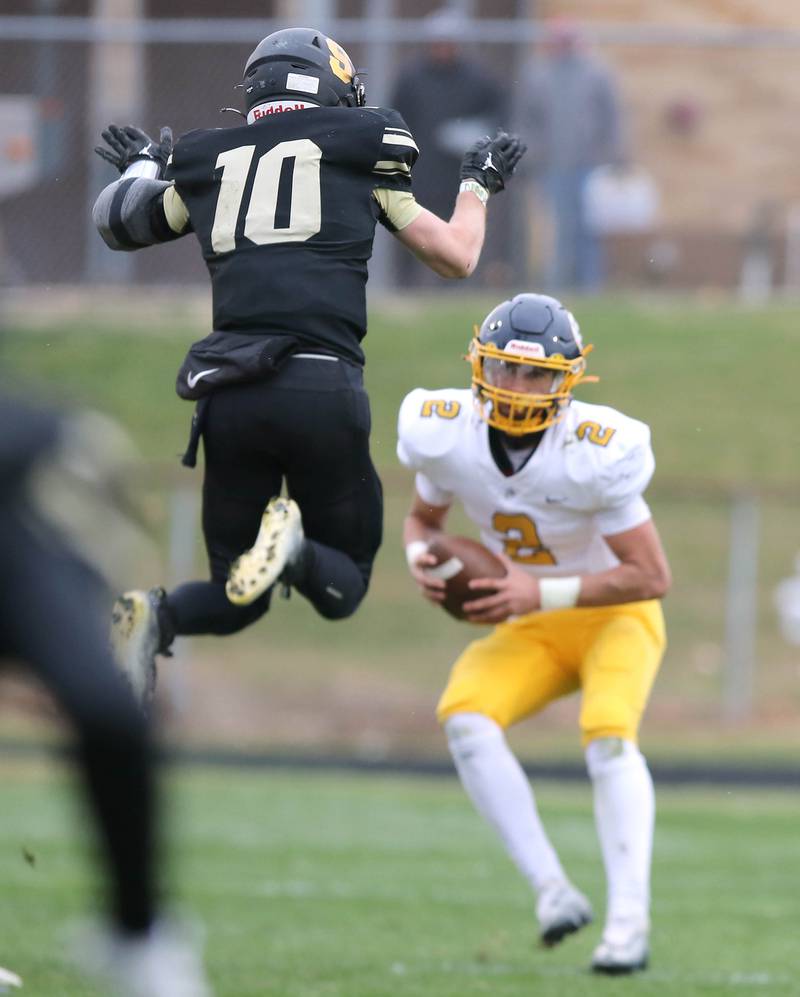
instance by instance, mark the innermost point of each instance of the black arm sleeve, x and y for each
(129, 214)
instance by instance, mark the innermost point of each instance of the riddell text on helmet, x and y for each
(277, 108)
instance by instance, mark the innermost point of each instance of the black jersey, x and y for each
(284, 212)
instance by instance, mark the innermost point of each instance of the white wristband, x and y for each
(476, 188)
(414, 550)
(149, 168)
(559, 593)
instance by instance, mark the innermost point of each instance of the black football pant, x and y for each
(307, 425)
(53, 619)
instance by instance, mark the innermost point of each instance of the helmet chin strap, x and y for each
(269, 108)
(529, 441)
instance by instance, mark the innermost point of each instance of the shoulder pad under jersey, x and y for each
(194, 136)
(184, 147)
(398, 151)
(430, 423)
(611, 452)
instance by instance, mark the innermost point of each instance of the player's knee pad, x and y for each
(333, 582)
(459, 699)
(608, 716)
(336, 611)
(338, 606)
(607, 754)
(466, 730)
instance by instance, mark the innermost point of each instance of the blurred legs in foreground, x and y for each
(53, 621)
(8, 979)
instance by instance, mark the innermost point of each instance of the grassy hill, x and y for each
(713, 381)
(717, 385)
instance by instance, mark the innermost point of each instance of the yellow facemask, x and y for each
(518, 412)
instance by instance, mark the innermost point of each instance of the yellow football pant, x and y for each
(611, 653)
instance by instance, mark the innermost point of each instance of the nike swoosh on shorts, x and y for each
(194, 378)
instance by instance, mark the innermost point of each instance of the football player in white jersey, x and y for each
(555, 487)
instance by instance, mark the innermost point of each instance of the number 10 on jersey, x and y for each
(285, 203)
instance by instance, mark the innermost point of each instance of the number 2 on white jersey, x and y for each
(295, 165)
(521, 539)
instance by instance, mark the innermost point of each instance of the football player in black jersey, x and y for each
(284, 207)
(52, 621)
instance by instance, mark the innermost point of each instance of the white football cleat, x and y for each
(561, 911)
(624, 947)
(165, 962)
(8, 979)
(136, 638)
(278, 543)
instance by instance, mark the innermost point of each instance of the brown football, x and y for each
(458, 560)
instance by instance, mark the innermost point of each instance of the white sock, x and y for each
(496, 784)
(624, 811)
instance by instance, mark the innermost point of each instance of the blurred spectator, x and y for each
(448, 100)
(787, 604)
(757, 275)
(682, 116)
(570, 118)
(620, 198)
(621, 208)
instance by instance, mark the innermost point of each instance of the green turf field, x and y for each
(354, 886)
(718, 385)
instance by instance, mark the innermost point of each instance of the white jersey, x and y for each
(584, 481)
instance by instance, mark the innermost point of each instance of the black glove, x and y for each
(128, 144)
(491, 161)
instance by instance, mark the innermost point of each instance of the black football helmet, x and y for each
(301, 63)
(530, 330)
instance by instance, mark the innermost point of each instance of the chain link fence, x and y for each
(708, 112)
(708, 108)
